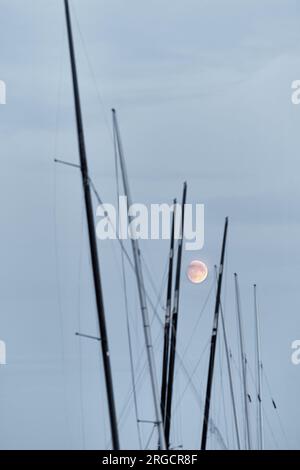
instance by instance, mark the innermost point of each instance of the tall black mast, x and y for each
(213, 342)
(174, 325)
(92, 238)
(167, 321)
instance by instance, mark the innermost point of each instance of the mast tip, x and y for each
(113, 110)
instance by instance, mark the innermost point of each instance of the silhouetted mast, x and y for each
(174, 322)
(164, 380)
(259, 367)
(213, 342)
(227, 351)
(142, 293)
(92, 238)
(244, 361)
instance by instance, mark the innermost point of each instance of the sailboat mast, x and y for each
(142, 294)
(167, 320)
(227, 351)
(92, 238)
(259, 367)
(213, 343)
(174, 323)
(243, 359)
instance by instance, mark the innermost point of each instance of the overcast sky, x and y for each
(203, 92)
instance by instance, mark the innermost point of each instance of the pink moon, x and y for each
(197, 272)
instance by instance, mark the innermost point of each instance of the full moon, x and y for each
(197, 272)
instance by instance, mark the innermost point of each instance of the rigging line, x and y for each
(93, 76)
(244, 361)
(190, 377)
(237, 367)
(263, 407)
(141, 374)
(212, 426)
(127, 314)
(270, 429)
(59, 304)
(151, 280)
(259, 395)
(228, 364)
(92, 185)
(182, 356)
(199, 317)
(82, 421)
(153, 307)
(93, 188)
(150, 437)
(179, 414)
(143, 370)
(230, 378)
(144, 366)
(276, 408)
(59, 91)
(195, 327)
(222, 386)
(56, 254)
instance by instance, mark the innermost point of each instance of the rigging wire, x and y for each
(264, 409)
(227, 352)
(150, 437)
(275, 407)
(151, 280)
(222, 390)
(82, 421)
(140, 374)
(133, 379)
(55, 225)
(202, 355)
(143, 370)
(93, 76)
(199, 317)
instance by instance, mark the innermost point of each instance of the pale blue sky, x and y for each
(203, 94)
